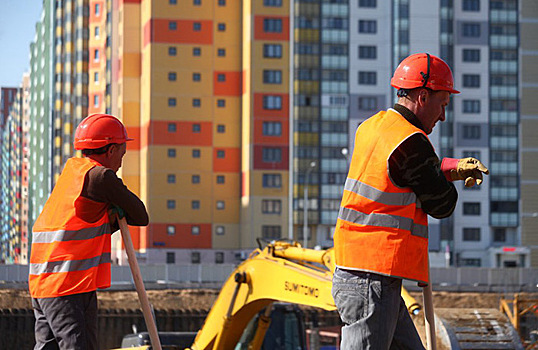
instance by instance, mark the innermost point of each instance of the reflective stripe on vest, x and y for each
(69, 265)
(64, 235)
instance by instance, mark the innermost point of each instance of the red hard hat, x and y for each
(423, 70)
(99, 130)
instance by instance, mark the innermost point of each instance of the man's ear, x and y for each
(422, 96)
(110, 150)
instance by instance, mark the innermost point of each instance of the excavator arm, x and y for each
(282, 272)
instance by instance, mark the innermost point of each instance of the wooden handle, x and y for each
(429, 316)
(139, 285)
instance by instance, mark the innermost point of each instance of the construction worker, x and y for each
(395, 180)
(70, 255)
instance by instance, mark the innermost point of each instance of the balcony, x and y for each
(507, 143)
(503, 67)
(503, 16)
(504, 219)
(504, 168)
(504, 41)
(504, 117)
(503, 92)
(504, 193)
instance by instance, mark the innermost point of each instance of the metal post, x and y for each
(305, 204)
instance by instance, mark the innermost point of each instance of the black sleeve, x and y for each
(414, 164)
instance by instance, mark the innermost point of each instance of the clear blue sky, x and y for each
(17, 31)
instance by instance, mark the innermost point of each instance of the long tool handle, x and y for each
(139, 284)
(429, 317)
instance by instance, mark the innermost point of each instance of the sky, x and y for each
(17, 31)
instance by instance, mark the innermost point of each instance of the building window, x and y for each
(272, 102)
(271, 155)
(368, 52)
(219, 257)
(499, 235)
(197, 2)
(367, 26)
(221, 179)
(367, 103)
(272, 51)
(221, 154)
(195, 257)
(195, 205)
(221, 129)
(271, 76)
(172, 25)
(471, 262)
(474, 154)
(96, 100)
(471, 208)
(196, 153)
(96, 77)
(171, 204)
(96, 31)
(171, 178)
(197, 26)
(271, 232)
(170, 256)
(271, 206)
(196, 102)
(171, 230)
(96, 55)
(196, 128)
(272, 129)
(222, 2)
(471, 131)
(171, 153)
(196, 77)
(221, 77)
(172, 102)
(221, 103)
(196, 51)
(367, 78)
(172, 76)
(221, 27)
(272, 180)
(471, 106)
(97, 9)
(471, 55)
(471, 234)
(195, 230)
(221, 52)
(471, 30)
(172, 51)
(220, 231)
(471, 80)
(368, 3)
(272, 25)
(272, 3)
(471, 5)
(221, 205)
(195, 179)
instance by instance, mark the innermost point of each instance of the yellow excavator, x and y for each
(280, 272)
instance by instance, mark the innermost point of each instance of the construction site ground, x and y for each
(202, 299)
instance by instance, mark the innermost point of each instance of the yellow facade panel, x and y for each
(132, 41)
(231, 186)
(257, 183)
(184, 84)
(131, 64)
(259, 8)
(183, 213)
(232, 34)
(132, 182)
(183, 160)
(231, 61)
(230, 138)
(131, 113)
(230, 213)
(183, 187)
(183, 109)
(184, 10)
(228, 240)
(184, 58)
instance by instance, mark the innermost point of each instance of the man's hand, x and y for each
(469, 169)
(115, 211)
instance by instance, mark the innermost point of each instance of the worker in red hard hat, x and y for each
(70, 256)
(395, 181)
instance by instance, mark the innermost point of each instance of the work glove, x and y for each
(468, 169)
(114, 210)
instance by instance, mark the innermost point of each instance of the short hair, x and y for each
(100, 150)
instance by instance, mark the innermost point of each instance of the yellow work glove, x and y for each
(469, 169)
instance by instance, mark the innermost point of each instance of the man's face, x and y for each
(116, 153)
(432, 108)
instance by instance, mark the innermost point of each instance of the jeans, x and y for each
(67, 322)
(373, 312)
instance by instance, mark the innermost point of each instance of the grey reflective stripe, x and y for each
(69, 265)
(75, 235)
(383, 220)
(388, 198)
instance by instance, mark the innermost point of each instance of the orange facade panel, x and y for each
(271, 107)
(271, 28)
(227, 83)
(226, 159)
(134, 133)
(175, 31)
(183, 237)
(181, 133)
(260, 138)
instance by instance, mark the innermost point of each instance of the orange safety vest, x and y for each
(381, 227)
(70, 239)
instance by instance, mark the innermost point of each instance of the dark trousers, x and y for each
(67, 322)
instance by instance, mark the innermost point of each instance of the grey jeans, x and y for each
(373, 311)
(68, 322)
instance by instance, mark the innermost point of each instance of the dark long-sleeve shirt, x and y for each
(414, 164)
(102, 185)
